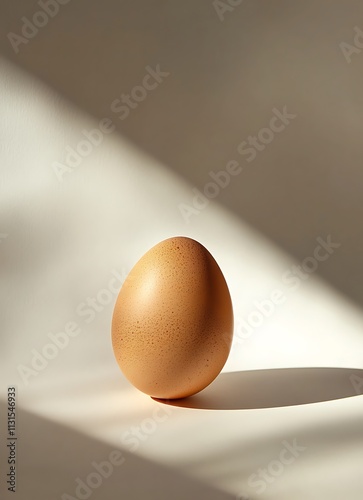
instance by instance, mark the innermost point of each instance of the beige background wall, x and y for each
(296, 372)
(225, 79)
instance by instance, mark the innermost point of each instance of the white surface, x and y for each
(65, 240)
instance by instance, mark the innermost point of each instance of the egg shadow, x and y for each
(274, 388)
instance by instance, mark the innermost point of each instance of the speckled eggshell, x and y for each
(172, 324)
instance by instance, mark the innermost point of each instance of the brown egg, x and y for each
(172, 324)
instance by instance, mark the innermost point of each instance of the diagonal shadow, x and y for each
(52, 460)
(220, 91)
(273, 388)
